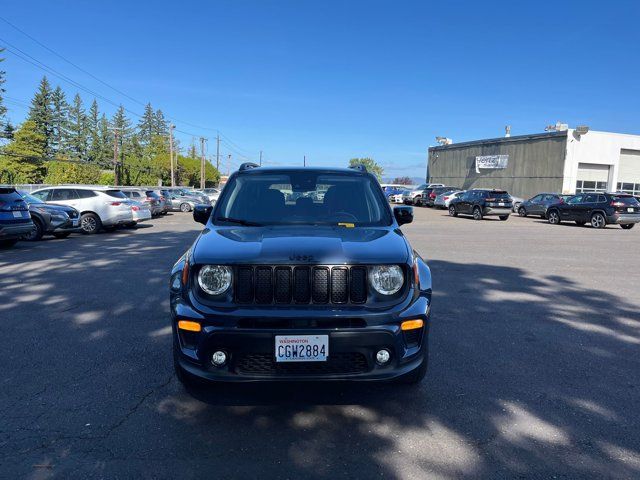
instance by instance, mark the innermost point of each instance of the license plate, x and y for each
(19, 214)
(631, 209)
(501, 204)
(302, 348)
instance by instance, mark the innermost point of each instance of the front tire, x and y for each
(598, 220)
(185, 207)
(477, 213)
(554, 217)
(37, 233)
(627, 226)
(90, 223)
(522, 212)
(504, 217)
(452, 211)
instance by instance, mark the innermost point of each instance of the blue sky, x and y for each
(337, 79)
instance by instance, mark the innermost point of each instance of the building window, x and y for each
(632, 188)
(589, 186)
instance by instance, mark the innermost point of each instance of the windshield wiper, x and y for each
(245, 223)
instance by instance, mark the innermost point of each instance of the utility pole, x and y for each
(116, 132)
(228, 165)
(173, 177)
(218, 153)
(304, 161)
(202, 165)
(260, 157)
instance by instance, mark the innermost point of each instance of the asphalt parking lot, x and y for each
(535, 367)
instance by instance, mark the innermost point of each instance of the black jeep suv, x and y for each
(320, 287)
(481, 203)
(599, 209)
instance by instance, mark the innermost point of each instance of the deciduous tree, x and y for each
(370, 164)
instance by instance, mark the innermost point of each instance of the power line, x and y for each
(70, 62)
(41, 65)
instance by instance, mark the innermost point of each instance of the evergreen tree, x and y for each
(41, 113)
(121, 123)
(23, 157)
(192, 153)
(93, 127)
(7, 131)
(77, 144)
(104, 148)
(160, 125)
(147, 125)
(3, 109)
(60, 121)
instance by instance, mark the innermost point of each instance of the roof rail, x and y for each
(360, 167)
(248, 166)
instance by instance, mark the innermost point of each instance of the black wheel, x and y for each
(627, 226)
(8, 243)
(185, 207)
(417, 375)
(37, 233)
(90, 223)
(598, 220)
(522, 212)
(61, 234)
(504, 217)
(477, 213)
(452, 211)
(580, 223)
(554, 217)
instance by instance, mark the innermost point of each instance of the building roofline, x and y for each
(487, 141)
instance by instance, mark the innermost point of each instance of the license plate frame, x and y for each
(18, 214)
(631, 209)
(301, 348)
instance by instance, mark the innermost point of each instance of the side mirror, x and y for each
(403, 214)
(201, 213)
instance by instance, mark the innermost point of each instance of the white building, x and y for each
(567, 160)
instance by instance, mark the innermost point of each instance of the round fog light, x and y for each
(219, 358)
(383, 357)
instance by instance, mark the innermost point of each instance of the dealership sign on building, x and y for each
(491, 161)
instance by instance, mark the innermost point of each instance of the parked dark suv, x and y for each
(15, 221)
(599, 209)
(316, 288)
(538, 205)
(481, 203)
(48, 218)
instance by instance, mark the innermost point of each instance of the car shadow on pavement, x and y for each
(528, 377)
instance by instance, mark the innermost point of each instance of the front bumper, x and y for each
(624, 218)
(70, 226)
(251, 351)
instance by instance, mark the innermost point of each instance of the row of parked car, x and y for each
(598, 209)
(65, 209)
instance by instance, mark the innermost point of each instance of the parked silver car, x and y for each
(139, 211)
(99, 207)
(443, 200)
(145, 197)
(211, 193)
(416, 193)
(178, 202)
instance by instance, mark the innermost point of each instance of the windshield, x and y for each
(30, 198)
(303, 198)
(115, 194)
(625, 200)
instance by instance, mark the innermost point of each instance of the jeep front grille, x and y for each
(300, 285)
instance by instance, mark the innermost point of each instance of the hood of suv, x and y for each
(301, 245)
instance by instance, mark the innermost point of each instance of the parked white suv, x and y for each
(99, 207)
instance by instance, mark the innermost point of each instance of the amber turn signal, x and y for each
(191, 326)
(412, 324)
